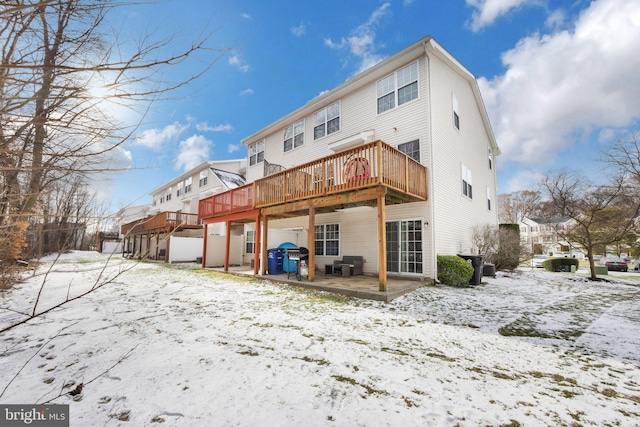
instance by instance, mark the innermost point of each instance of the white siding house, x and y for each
(172, 214)
(421, 101)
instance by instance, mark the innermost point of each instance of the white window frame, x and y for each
(293, 136)
(250, 240)
(187, 184)
(394, 83)
(320, 237)
(204, 176)
(456, 112)
(256, 152)
(488, 199)
(467, 182)
(168, 195)
(323, 118)
(180, 186)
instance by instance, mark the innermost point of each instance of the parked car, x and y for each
(597, 258)
(614, 263)
(538, 260)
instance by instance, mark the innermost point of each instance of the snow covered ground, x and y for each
(175, 345)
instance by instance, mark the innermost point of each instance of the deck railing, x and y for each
(368, 165)
(364, 166)
(236, 200)
(160, 221)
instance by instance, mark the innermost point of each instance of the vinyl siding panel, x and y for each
(454, 214)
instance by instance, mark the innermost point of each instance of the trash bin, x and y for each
(275, 257)
(476, 263)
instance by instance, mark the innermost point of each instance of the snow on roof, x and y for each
(231, 180)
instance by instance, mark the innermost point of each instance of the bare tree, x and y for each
(602, 214)
(624, 156)
(514, 207)
(51, 125)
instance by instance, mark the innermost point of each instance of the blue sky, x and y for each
(560, 79)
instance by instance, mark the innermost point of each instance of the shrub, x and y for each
(453, 270)
(560, 264)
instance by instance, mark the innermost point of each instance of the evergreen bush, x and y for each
(560, 264)
(453, 270)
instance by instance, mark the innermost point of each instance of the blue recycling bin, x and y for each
(275, 258)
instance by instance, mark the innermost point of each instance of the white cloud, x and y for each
(299, 31)
(487, 11)
(246, 16)
(361, 42)
(561, 87)
(237, 62)
(523, 179)
(205, 127)
(232, 148)
(156, 137)
(193, 151)
(247, 92)
(555, 20)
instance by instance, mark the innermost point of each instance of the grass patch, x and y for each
(320, 362)
(441, 357)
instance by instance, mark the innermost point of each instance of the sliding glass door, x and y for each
(404, 246)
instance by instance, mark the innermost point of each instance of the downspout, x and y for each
(431, 202)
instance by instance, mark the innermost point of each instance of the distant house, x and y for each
(396, 165)
(168, 229)
(544, 236)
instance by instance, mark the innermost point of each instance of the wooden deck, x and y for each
(162, 222)
(348, 178)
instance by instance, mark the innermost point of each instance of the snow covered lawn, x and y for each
(175, 345)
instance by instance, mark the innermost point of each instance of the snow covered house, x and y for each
(171, 230)
(396, 165)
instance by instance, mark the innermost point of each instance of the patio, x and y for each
(361, 286)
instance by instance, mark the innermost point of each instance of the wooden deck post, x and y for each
(382, 245)
(227, 245)
(256, 247)
(204, 245)
(311, 260)
(263, 250)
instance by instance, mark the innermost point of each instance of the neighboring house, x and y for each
(170, 230)
(543, 236)
(395, 165)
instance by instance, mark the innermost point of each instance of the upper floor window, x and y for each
(456, 112)
(179, 190)
(162, 199)
(203, 179)
(467, 188)
(488, 199)
(256, 152)
(397, 88)
(326, 121)
(187, 184)
(411, 149)
(294, 135)
(168, 195)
